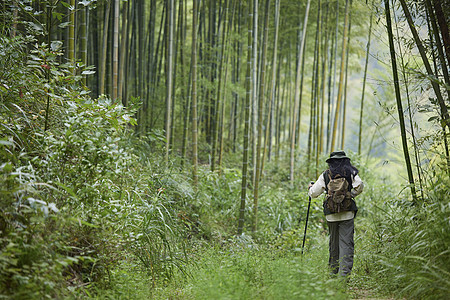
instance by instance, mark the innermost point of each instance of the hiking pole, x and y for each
(306, 223)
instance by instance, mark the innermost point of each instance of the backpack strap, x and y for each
(327, 178)
(350, 182)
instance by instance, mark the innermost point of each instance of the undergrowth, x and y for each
(89, 209)
(413, 244)
(239, 269)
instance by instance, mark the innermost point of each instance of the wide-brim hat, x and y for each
(337, 155)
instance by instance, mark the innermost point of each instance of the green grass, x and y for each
(260, 274)
(236, 271)
(240, 269)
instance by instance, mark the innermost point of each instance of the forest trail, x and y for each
(162, 149)
(249, 271)
(364, 294)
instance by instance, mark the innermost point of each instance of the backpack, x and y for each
(338, 196)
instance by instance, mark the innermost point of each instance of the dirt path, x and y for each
(366, 294)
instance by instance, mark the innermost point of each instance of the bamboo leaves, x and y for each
(398, 98)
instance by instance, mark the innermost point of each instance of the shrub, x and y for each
(412, 244)
(76, 198)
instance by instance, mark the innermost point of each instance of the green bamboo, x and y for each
(270, 114)
(169, 75)
(248, 93)
(341, 76)
(434, 84)
(83, 39)
(123, 51)
(344, 106)
(115, 68)
(71, 50)
(260, 118)
(361, 111)
(399, 101)
(104, 49)
(194, 96)
(297, 93)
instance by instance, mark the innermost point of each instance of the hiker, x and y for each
(341, 184)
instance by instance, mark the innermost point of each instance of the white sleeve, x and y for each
(358, 186)
(318, 187)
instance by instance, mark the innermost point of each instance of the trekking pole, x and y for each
(306, 223)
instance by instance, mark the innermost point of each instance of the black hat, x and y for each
(337, 155)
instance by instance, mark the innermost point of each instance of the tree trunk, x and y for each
(434, 29)
(361, 111)
(236, 78)
(341, 76)
(226, 27)
(127, 59)
(217, 123)
(211, 62)
(444, 69)
(312, 133)
(49, 13)
(405, 72)
(104, 49)
(15, 10)
(248, 93)
(83, 39)
(297, 93)
(329, 100)
(260, 118)
(184, 91)
(344, 106)
(270, 118)
(435, 85)
(169, 75)
(278, 111)
(71, 50)
(324, 85)
(194, 95)
(115, 68)
(333, 102)
(443, 24)
(399, 101)
(254, 104)
(124, 50)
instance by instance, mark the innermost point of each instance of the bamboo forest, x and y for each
(224, 149)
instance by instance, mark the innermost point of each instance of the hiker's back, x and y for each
(338, 187)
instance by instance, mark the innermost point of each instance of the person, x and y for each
(340, 218)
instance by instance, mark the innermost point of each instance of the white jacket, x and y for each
(319, 187)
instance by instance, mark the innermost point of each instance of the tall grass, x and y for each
(409, 249)
(243, 270)
(77, 200)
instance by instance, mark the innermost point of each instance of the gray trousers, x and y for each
(341, 246)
